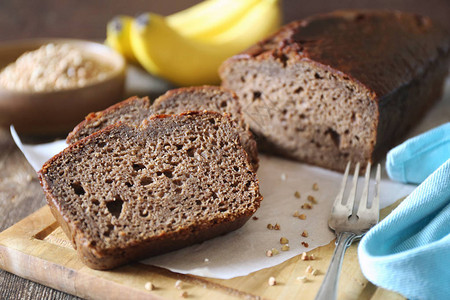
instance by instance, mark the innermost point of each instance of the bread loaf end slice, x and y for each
(134, 110)
(125, 193)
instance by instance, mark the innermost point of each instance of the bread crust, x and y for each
(396, 61)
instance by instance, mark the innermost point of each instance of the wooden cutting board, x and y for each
(37, 249)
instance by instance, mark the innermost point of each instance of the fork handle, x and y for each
(328, 289)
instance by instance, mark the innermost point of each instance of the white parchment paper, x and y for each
(243, 251)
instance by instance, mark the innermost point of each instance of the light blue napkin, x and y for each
(415, 159)
(409, 251)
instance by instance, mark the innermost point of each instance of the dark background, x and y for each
(87, 19)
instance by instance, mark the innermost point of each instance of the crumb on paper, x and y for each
(302, 217)
(305, 244)
(315, 186)
(255, 218)
(296, 214)
(275, 251)
(302, 279)
(269, 253)
(315, 272)
(312, 199)
(297, 194)
(149, 286)
(269, 226)
(272, 281)
(309, 269)
(276, 226)
(284, 240)
(285, 247)
(306, 206)
(305, 233)
(283, 176)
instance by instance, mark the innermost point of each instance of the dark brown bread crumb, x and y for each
(340, 86)
(125, 193)
(135, 110)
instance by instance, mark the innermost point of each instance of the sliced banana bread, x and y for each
(340, 86)
(125, 192)
(134, 110)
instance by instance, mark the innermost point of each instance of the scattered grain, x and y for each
(272, 281)
(297, 194)
(276, 226)
(179, 284)
(269, 226)
(309, 269)
(183, 294)
(305, 244)
(315, 272)
(296, 214)
(285, 247)
(315, 186)
(255, 218)
(305, 233)
(302, 217)
(312, 199)
(306, 206)
(149, 286)
(302, 279)
(275, 251)
(269, 253)
(284, 240)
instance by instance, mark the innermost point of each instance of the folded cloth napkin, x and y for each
(418, 157)
(409, 251)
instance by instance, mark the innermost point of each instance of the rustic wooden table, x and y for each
(20, 195)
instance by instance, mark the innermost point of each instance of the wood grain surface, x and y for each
(36, 248)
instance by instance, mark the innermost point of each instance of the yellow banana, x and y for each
(209, 18)
(165, 52)
(118, 36)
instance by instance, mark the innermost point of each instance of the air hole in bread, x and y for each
(128, 184)
(108, 180)
(102, 144)
(137, 166)
(317, 76)
(256, 95)
(168, 174)
(146, 180)
(143, 213)
(95, 202)
(236, 168)
(335, 137)
(190, 152)
(214, 195)
(298, 90)
(115, 206)
(179, 147)
(78, 189)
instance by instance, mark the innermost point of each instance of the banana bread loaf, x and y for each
(340, 86)
(134, 110)
(125, 192)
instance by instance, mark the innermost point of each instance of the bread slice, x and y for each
(125, 192)
(340, 86)
(134, 110)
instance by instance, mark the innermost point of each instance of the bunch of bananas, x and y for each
(188, 47)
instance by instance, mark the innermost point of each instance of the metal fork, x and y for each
(348, 225)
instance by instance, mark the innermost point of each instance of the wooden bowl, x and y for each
(57, 112)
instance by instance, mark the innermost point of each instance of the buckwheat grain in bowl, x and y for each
(53, 67)
(48, 85)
